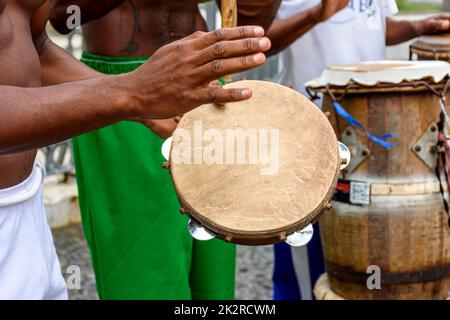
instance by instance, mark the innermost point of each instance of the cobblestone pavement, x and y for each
(72, 250)
(254, 266)
(254, 273)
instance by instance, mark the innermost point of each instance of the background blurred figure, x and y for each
(140, 246)
(315, 34)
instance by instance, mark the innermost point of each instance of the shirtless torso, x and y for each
(20, 67)
(140, 27)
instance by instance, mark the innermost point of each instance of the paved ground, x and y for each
(72, 251)
(254, 270)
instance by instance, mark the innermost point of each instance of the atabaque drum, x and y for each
(255, 172)
(388, 234)
(431, 47)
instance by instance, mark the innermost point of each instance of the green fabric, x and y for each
(139, 242)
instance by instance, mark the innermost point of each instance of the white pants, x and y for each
(29, 266)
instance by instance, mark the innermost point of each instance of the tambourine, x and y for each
(255, 172)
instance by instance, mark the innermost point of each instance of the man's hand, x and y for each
(176, 79)
(162, 128)
(329, 8)
(433, 25)
(399, 31)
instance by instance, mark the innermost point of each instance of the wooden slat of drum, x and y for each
(403, 189)
(378, 230)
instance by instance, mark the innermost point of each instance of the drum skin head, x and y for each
(258, 202)
(382, 72)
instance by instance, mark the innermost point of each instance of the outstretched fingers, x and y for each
(234, 48)
(208, 39)
(222, 67)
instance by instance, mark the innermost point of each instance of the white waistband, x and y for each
(26, 189)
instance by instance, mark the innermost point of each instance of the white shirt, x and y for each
(355, 34)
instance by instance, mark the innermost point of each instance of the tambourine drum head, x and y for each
(282, 189)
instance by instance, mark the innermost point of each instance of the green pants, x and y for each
(139, 242)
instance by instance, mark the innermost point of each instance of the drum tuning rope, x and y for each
(313, 96)
(442, 146)
(358, 126)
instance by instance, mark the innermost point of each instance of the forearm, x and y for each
(398, 31)
(58, 67)
(36, 117)
(260, 13)
(90, 10)
(284, 32)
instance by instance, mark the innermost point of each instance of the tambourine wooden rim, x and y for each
(277, 233)
(257, 238)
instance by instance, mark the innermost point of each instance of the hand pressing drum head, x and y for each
(177, 78)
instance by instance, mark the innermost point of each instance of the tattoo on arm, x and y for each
(2, 5)
(132, 45)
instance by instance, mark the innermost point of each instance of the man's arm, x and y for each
(260, 12)
(399, 31)
(37, 117)
(175, 81)
(284, 32)
(90, 10)
(57, 65)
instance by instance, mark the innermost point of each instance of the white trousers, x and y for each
(29, 266)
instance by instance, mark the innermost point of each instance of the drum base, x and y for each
(322, 290)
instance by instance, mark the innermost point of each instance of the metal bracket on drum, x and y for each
(358, 150)
(425, 147)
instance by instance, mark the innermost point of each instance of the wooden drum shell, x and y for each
(426, 51)
(403, 232)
